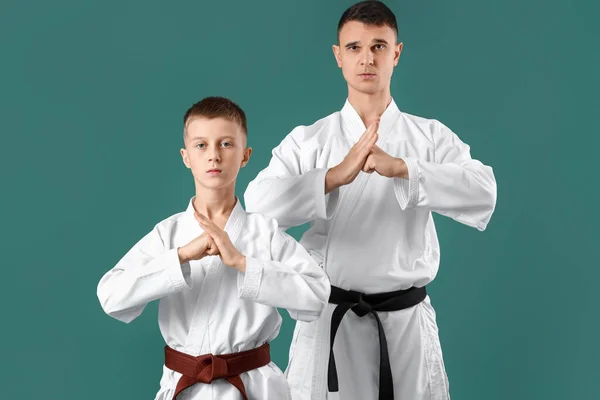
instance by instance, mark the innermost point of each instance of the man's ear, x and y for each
(185, 158)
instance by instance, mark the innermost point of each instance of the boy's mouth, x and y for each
(213, 171)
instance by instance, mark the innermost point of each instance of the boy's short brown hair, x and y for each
(216, 107)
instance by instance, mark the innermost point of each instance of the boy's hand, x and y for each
(384, 164)
(226, 250)
(200, 247)
(346, 171)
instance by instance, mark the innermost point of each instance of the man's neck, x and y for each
(369, 106)
(215, 204)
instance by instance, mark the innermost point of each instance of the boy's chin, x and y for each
(215, 184)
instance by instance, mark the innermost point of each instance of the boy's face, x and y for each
(367, 55)
(215, 150)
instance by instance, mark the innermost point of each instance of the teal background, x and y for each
(91, 99)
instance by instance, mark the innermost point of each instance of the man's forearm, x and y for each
(331, 180)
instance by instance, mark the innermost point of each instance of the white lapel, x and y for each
(352, 125)
(195, 342)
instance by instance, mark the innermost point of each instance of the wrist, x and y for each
(401, 169)
(332, 180)
(181, 253)
(240, 265)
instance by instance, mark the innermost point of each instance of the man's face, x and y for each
(367, 55)
(215, 150)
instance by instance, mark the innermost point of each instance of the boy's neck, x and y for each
(215, 204)
(369, 106)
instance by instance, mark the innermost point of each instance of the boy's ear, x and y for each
(246, 158)
(185, 158)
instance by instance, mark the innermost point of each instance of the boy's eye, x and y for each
(352, 48)
(380, 46)
(201, 145)
(226, 144)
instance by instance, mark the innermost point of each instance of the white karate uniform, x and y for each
(208, 307)
(374, 235)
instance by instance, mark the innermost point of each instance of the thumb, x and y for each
(212, 248)
(369, 165)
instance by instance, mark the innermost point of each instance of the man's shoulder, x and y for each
(429, 127)
(316, 132)
(421, 121)
(261, 222)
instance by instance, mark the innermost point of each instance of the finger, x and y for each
(216, 235)
(205, 221)
(368, 145)
(213, 244)
(209, 226)
(368, 132)
(210, 231)
(373, 129)
(202, 219)
(369, 164)
(213, 249)
(368, 170)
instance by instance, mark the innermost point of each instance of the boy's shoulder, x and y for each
(169, 223)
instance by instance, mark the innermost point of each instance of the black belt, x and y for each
(363, 304)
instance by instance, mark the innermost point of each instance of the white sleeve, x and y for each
(454, 185)
(291, 280)
(291, 189)
(147, 272)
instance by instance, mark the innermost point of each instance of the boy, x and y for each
(368, 178)
(219, 274)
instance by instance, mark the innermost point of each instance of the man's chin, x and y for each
(366, 87)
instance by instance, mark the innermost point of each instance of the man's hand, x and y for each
(226, 250)
(197, 249)
(346, 171)
(384, 164)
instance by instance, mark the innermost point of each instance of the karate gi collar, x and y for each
(354, 125)
(234, 223)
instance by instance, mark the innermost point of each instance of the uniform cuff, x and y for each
(325, 204)
(249, 281)
(179, 274)
(407, 190)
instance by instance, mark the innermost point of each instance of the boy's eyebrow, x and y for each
(356, 42)
(203, 138)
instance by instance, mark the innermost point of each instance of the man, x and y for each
(367, 178)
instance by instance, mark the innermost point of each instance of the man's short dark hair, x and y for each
(369, 12)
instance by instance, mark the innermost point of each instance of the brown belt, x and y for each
(207, 368)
